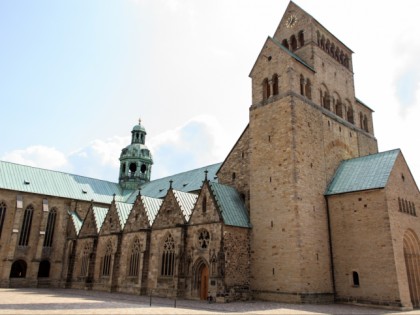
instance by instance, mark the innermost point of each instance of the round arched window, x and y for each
(133, 167)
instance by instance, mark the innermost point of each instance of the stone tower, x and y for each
(135, 160)
(304, 120)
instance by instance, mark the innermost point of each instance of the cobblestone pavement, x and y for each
(67, 301)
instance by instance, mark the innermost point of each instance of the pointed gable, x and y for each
(123, 210)
(170, 213)
(75, 222)
(205, 210)
(363, 173)
(231, 205)
(111, 222)
(143, 213)
(89, 227)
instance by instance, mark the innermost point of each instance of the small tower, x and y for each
(135, 160)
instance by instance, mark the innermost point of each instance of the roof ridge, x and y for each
(194, 169)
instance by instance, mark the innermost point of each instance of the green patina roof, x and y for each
(151, 205)
(186, 202)
(231, 205)
(77, 222)
(363, 173)
(99, 214)
(123, 210)
(52, 183)
(187, 182)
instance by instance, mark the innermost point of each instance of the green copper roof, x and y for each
(187, 182)
(123, 210)
(231, 205)
(363, 173)
(99, 214)
(186, 202)
(77, 222)
(151, 205)
(52, 183)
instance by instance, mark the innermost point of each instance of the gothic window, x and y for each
(26, 226)
(2, 215)
(168, 257)
(133, 270)
(49, 231)
(285, 43)
(302, 85)
(44, 269)
(106, 260)
(266, 89)
(85, 261)
(356, 281)
(308, 89)
(275, 80)
(301, 39)
(293, 42)
(203, 239)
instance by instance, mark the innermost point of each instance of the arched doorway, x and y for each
(412, 260)
(18, 269)
(44, 269)
(201, 280)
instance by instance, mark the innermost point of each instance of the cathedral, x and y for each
(304, 209)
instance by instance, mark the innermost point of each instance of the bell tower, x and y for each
(135, 160)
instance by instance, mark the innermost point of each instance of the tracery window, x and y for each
(2, 215)
(106, 262)
(133, 270)
(203, 239)
(49, 231)
(26, 226)
(168, 257)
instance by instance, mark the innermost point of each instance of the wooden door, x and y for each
(204, 286)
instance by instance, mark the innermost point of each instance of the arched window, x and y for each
(18, 269)
(2, 215)
(266, 89)
(133, 270)
(318, 38)
(332, 50)
(339, 108)
(275, 80)
(49, 231)
(44, 269)
(327, 46)
(285, 43)
(302, 85)
(106, 260)
(361, 120)
(26, 226)
(356, 282)
(301, 39)
(323, 42)
(308, 89)
(168, 257)
(327, 101)
(365, 123)
(337, 54)
(411, 248)
(350, 114)
(293, 42)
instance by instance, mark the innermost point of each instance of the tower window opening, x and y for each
(133, 168)
(285, 43)
(266, 89)
(143, 168)
(308, 89)
(302, 85)
(275, 84)
(301, 39)
(293, 42)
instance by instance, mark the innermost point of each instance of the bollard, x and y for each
(150, 298)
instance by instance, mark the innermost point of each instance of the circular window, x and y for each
(133, 167)
(203, 239)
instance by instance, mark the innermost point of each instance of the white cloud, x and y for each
(38, 156)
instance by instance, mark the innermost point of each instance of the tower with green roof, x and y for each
(135, 160)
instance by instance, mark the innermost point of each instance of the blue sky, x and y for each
(75, 76)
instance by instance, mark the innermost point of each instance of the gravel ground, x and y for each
(68, 301)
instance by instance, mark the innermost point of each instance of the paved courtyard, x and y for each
(66, 301)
